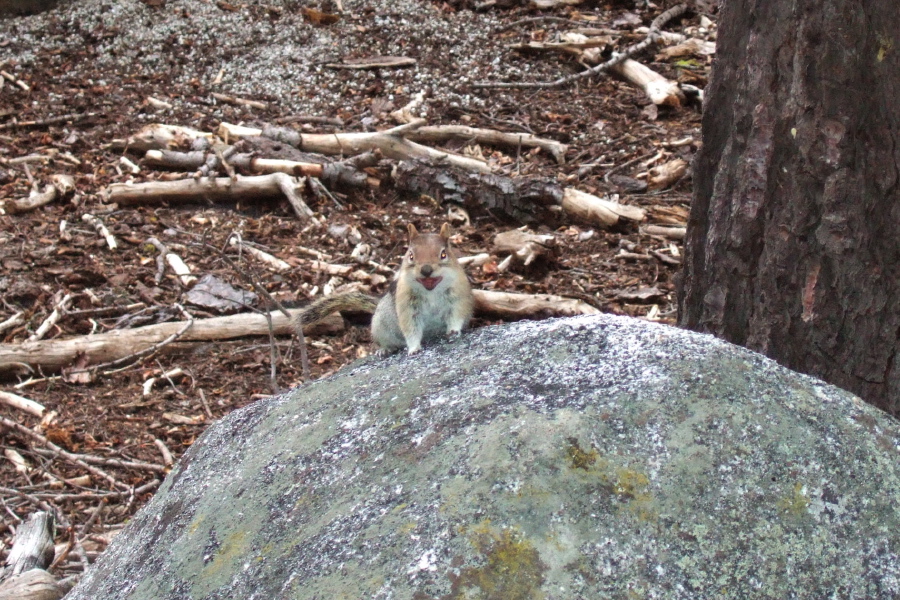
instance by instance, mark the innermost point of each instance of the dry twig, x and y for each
(652, 37)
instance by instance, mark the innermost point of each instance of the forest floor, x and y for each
(103, 63)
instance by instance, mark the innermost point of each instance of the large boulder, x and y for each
(593, 457)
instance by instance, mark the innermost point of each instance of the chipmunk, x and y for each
(429, 297)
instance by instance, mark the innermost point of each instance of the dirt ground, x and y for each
(606, 123)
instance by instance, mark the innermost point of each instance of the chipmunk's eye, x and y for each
(443, 255)
(411, 257)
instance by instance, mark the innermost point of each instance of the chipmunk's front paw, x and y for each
(454, 333)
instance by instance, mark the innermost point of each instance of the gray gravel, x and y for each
(270, 51)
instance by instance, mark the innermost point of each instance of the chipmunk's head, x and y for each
(427, 255)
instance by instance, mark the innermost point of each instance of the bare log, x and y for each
(218, 189)
(53, 355)
(507, 305)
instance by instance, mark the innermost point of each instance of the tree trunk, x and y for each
(793, 245)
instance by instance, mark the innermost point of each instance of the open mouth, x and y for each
(429, 283)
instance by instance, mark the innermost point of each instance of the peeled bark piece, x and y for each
(525, 245)
(666, 174)
(524, 200)
(598, 211)
(159, 136)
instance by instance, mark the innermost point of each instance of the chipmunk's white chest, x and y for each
(432, 308)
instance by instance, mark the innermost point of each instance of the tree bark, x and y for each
(793, 244)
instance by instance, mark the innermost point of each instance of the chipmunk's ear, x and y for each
(445, 231)
(413, 232)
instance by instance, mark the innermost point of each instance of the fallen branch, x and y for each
(392, 143)
(273, 262)
(102, 348)
(101, 230)
(661, 91)
(239, 101)
(599, 211)
(175, 262)
(342, 174)
(652, 37)
(440, 133)
(108, 462)
(672, 233)
(221, 189)
(24, 404)
(60, 186)
(73, 118)
(14, 321)
(100, 473)
(51, 319)
(506, 305)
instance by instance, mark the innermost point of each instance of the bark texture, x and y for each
(793, 245)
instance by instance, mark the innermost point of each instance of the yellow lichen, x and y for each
(512, 568)
(796, 502)
(578, 458)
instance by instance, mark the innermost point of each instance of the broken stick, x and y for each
(217, 189)
(53, 355)
(391, 142)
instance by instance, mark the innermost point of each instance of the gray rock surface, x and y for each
(592, 457)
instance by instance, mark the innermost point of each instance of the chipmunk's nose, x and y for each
(426, 270)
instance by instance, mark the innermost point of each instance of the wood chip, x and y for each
(373, 62)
